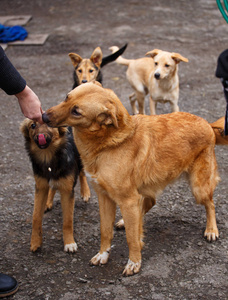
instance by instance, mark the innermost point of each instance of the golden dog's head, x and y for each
(165, 63)
(87, 69)
(89, 106)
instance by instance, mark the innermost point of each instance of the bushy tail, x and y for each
(120, 60)
(218, 127)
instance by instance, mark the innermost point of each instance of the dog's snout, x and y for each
(45, 118)
(157, 75)
(84, 81)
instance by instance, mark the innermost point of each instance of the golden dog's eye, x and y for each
(75, 112)
(166, 65)
(33, 126)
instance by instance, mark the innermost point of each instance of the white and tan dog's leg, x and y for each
(174, 106)
(133, 100)
(153, 105)
(107, 209)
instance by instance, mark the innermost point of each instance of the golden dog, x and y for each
(131, 159)
(157, 76)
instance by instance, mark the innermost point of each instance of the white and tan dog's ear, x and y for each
(178, 57)
(96, 57)
(153, 53)
(75, 59)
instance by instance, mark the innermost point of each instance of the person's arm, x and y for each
(14, 84)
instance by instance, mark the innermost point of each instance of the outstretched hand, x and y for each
(30, 105)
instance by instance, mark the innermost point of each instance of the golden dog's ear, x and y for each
(75, 59)
(153, 53)
(107, 118)
(178, 58)
(96, 57)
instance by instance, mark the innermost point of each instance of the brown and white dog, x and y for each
(131, 159)
(56, 165)
(89, 69)
(157, 76)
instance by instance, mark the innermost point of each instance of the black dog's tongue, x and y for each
(41, 139)
(222, 73)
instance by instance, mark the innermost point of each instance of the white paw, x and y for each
(132, 268)
(211, 236)
(71, 247)
(100, 258)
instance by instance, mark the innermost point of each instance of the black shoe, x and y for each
(8, 285)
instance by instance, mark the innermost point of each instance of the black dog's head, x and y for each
(40, 135)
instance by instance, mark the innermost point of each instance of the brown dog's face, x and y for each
(40, 135)
(165, 63)
(87, 70)
(88, 106)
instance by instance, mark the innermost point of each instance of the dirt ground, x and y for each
(177, 262)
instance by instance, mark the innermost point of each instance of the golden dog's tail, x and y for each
(218, 127)
(120, 60)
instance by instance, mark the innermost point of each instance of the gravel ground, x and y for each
(177, 262)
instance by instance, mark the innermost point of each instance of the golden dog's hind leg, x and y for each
(147, 204)
(67, 203)
(107, 209)
(203, 179)
(41, 194)
(132, 214)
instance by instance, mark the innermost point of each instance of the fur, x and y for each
(157, 76)
(131, 159)
(56, 165)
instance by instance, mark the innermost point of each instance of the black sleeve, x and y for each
(10, 79)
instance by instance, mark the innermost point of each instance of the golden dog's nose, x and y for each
(45, 118)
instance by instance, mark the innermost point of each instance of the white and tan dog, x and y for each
(157, 76)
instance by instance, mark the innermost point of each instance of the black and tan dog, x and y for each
(89, 69)
(56, 165)
(131, 159)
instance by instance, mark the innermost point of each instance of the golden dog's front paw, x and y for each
(132, 268)
(71, 248)
(211, 234)
(100, 258)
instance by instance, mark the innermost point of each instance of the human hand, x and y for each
(30, 104)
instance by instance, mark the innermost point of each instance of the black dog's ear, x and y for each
(24, 128)
(62, 130)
